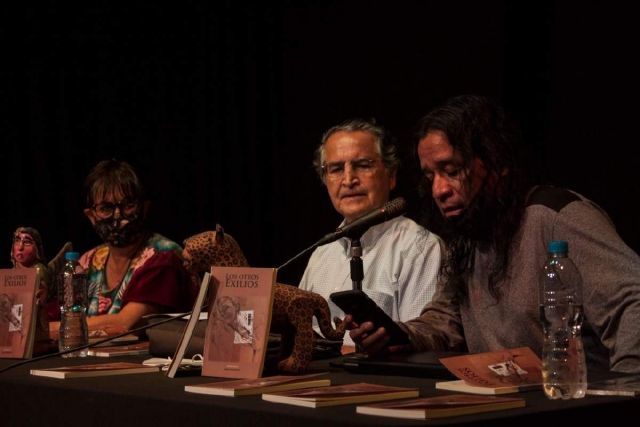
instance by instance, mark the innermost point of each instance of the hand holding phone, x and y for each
(364, 309)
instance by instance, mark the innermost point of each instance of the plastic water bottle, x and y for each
(73, 299)
(564, 371)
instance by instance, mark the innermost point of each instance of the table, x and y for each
(153, 399)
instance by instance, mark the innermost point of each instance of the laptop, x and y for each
(425, 364)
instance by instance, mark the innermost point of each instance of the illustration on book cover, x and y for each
(233, 332)
(10, 319)
(510, 367)
(17, 311)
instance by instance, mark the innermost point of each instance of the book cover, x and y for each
(463, 386)
(494, 372)
(96, 370)
(247, 387)
(97, 340)
(341, 395)
(18, 312)
(623, 386)
(237, 330)
(120, 350)
(440, 406)
(185, 339)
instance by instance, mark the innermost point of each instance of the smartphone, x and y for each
(364, 309)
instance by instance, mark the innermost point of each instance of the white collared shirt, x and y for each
(400, 261)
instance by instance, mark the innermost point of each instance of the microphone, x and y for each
(389, 210)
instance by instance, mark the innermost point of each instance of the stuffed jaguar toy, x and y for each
(293, 308)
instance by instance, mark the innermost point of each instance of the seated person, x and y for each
(357, 161)
(135, 272)
(497, 227)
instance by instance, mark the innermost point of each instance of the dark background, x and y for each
(221, 107)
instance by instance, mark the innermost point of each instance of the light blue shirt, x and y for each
(400, 261)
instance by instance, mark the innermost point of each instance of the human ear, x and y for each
(393, 176)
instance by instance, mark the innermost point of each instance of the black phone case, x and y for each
(363, 309)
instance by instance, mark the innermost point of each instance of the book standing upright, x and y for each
(239, 319)
(188, 330)
(18, 312)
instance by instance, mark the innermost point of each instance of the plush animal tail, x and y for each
(329, 332)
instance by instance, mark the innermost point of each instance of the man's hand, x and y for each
(369, 340)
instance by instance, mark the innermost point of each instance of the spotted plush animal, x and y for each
(293, 308)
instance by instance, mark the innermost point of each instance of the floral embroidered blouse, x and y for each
(155, 276)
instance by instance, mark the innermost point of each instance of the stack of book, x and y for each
(95, 370)
(255, 386)
(441, 406)
(341, 395)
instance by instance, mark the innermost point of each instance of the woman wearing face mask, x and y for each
(135, 272)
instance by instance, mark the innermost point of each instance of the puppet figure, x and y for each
(27, 252)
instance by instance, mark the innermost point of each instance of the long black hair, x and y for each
(477, 128)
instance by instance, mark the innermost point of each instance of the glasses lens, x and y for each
(358, 166)
(105, 210)
(334, 168)
(128, 206)
(25, 242)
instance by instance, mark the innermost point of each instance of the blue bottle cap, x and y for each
(71, 255)
(558, 246)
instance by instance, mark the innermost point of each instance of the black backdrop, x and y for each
(220, 107)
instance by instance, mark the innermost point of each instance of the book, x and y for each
(237, 331)
(120, 350)
(440, 406)
(18, 313)
(495, 372)
(623, 386)
(185, 339)
(463, 386)
(99, 338)
(319, 397)
(96, 370)
(255, 386)
(185, 316)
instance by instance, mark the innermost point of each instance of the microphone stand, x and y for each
(357, 271)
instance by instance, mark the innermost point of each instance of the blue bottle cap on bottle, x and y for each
(558, 246)
(71, 255)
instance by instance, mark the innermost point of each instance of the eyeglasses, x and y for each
(25, 241)
(360, 167)
(105, 210)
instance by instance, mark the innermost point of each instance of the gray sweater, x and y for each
(611, 287)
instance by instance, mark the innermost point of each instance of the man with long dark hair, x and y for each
(496, 227)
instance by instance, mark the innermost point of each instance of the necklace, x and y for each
(115, 285)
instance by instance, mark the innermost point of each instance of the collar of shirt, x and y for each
(369, 238)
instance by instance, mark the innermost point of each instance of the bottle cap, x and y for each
(71, 255)
(558, 246)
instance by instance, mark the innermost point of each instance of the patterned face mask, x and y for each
(120, 231)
